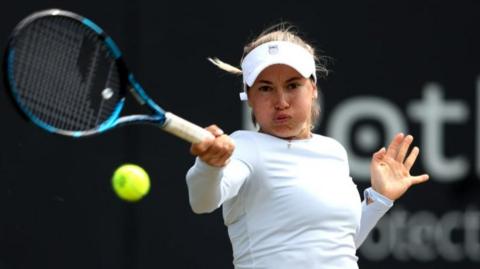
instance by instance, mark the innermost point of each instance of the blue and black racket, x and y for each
(68, 77)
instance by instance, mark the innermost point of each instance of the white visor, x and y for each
(276, 52)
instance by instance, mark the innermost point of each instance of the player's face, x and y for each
(282, 100)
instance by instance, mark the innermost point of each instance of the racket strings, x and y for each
(101, 111)
(51, 108)
(51, 82)
(35, 85)
(78, 97)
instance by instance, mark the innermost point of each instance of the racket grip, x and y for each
(185, 129)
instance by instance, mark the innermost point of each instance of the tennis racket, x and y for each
(67, 76)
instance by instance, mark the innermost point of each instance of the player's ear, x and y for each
(315, 90)
(248, 97)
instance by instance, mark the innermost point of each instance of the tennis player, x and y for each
(288, 200)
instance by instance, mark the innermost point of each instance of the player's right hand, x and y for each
(217, 151)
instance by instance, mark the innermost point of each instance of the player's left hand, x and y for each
(390, 168)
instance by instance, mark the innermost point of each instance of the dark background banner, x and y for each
(411, 66)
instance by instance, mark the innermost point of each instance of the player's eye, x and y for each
(264, 88)
(293, 85)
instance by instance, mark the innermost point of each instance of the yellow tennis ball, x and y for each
(131, 182)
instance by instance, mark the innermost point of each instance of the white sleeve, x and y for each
(209, 187)
(372, 212)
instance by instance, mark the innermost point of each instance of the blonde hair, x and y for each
(280, 32)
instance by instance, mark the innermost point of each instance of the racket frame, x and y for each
(159, 117)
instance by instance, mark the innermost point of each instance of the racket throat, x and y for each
(137, 96)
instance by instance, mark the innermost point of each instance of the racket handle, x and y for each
(185, 129)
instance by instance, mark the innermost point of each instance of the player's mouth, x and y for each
(281, 118)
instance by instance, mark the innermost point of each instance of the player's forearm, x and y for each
(374, 207)
(203, 182)
(209, 187)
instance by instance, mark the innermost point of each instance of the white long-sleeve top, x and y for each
(287, 204)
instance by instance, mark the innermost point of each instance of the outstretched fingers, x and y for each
(412, 157)
(419, 179)
(409, 162)
(393, 148)
(403, 149)
(380, 154)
